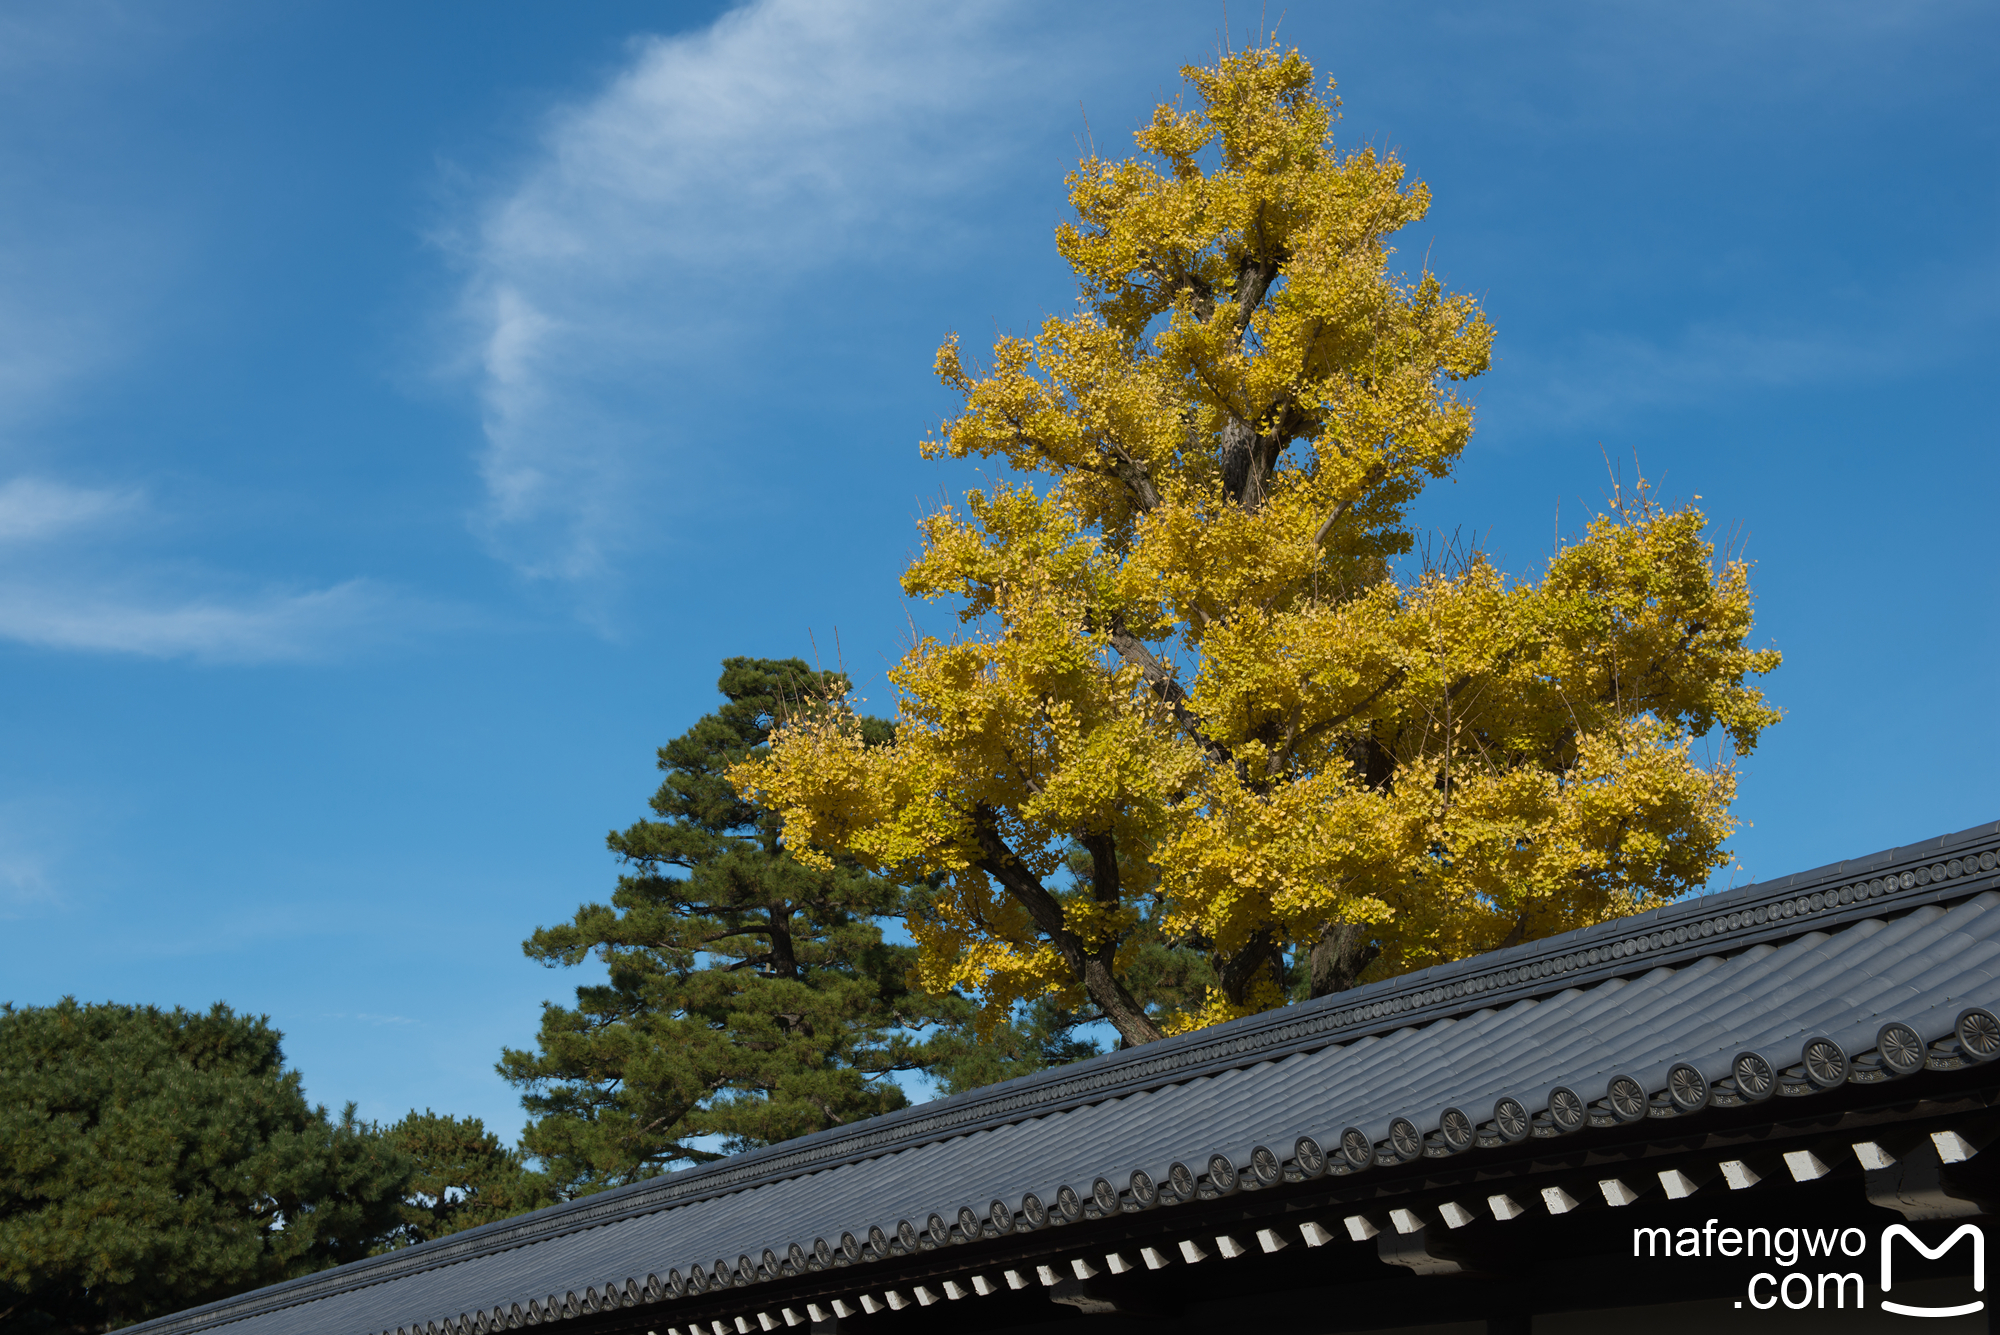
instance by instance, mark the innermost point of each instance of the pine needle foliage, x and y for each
(750, 998)
(153, 1160)
(462, 1176)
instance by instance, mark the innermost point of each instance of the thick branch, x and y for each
(1160, 679)
(1138, 481)
(1168, 286)
(1091, 968)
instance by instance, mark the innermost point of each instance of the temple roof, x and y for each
(1849, 975)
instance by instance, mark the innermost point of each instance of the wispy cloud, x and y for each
(661, 217)
(272, 627)
(366, 1017)
(69, 291)
(70, 580)
(32, 509)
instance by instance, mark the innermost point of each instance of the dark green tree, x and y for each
(463, 1177)
(749, 999)
(153, 1160)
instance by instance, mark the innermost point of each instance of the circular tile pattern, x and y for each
(1825, 1063)
(1979, 1034)
(1688, 1088)
(1456, 1128)
(1900, 1049)
(1626, 1099)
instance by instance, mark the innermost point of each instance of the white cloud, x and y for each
(33, 509)
(89, 598)
(660, 217)
(266, 628)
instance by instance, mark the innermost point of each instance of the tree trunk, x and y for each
(784, 962)
(1260, 955)
(1340, 955)
(1237, 455)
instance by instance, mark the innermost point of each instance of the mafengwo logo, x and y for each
(1806, 1265)
(1969, 1232)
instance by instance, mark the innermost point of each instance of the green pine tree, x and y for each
(749, 1000)
(463, 1177)
(153, 1160)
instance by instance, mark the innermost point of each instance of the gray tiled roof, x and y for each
(1909, 935)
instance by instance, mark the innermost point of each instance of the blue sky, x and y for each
(404, 408)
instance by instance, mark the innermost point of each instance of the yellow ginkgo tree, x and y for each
(1194, 690)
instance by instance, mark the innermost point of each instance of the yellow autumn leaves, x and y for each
(1189, 678)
